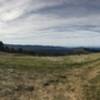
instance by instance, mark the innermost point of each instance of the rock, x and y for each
(24, 88)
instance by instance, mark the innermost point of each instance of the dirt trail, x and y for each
(81, 76)
(92, 70)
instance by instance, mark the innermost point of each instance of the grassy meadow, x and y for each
(72, 77)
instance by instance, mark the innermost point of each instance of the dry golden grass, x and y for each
(74, 77)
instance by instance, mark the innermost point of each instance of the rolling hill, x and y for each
(73, 77)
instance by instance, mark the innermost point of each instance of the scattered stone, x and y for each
(48, 82)
(62, 76)
(10, 70)
(6, 92)
(24, 88)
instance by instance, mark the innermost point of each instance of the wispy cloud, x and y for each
(50, 22)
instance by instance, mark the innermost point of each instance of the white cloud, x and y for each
(10, 15)
(54, 22)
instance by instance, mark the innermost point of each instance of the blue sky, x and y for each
(50, 22)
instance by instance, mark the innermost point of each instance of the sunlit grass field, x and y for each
(72, 77)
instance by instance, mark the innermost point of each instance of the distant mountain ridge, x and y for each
(46, 50)
(51, 50)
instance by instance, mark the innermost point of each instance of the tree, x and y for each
(6, 49)
(1, 46)
(20, 50)
(12, 50)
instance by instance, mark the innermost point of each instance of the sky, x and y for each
(50, 22)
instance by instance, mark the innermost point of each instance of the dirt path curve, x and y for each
(81, 76)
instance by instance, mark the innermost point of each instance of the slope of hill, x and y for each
(75, 77)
